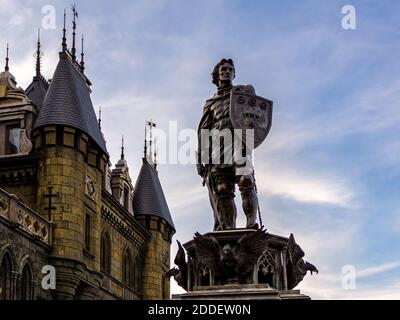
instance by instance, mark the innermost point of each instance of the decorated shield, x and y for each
(248, 111)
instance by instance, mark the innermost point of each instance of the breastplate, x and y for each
(221, 115)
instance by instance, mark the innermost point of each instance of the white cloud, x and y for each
(378, 269)
(184, 197)
(288, 183)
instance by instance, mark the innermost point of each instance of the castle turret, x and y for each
(151, 209)
(73, 159)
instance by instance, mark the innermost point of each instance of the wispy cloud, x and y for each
(306, 188)
(378, 269)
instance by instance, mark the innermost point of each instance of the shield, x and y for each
(248, 111)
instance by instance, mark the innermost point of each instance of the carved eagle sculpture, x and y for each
(180, 274)
(231, 261)
(297, 267)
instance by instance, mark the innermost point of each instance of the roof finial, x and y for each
(100, 117)
(155, 154)
(122, 148)
(75, 14)
(6, 67)
(82, 64)
(64, 39)
(38, 53)
(151, 124)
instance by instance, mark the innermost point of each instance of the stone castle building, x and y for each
(61, 205)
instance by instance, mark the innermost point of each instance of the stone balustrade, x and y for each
(22, 217)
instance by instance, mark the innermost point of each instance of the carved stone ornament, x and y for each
(3, 206)
(25, 143)
(91, 188)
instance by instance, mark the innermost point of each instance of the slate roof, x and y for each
(148, 196)
(37, 90)
(68, 102)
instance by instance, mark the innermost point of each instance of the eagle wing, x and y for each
(208, 251)
(250, 247)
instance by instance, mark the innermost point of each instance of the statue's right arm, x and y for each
(205, 123)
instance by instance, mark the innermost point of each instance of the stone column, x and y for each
(65, 288)
(285, 282)
(13, 285)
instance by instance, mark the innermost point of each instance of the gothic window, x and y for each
(5, 277)
(266, 270)
(26, 283)
(105, 253)
(127, 269)
(88, 231)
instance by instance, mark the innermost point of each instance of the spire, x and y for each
(38, 53)
(73, 49)
(100, 117)
(122, 148)
(82, 64)
(64, 39)
(6, 67)
(145, 142)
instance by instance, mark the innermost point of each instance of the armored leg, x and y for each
(226, 209)
(249, 200)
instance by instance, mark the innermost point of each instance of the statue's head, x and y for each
(223, 73)
(226, 249)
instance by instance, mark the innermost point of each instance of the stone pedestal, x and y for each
(239, 292)
(274, 276)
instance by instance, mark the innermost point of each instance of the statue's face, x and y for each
(226, 72)
(226, 249)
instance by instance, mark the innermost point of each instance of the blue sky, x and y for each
(329, 171)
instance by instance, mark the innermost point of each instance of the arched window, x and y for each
(105, 253)
(26, 283)
(126, 198)
(127, 269)
(136, 273)
(203, 275)
(266, 269)
(5, 277)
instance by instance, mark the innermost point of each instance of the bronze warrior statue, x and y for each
(230, 108)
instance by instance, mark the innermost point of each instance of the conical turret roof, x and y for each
(68, 102)
(148, 196)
